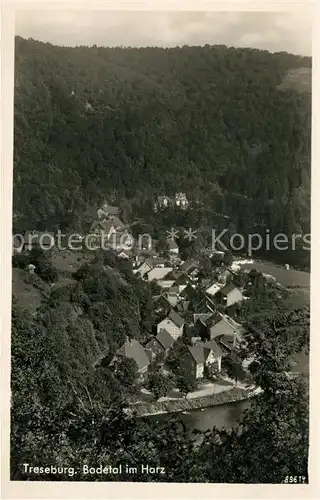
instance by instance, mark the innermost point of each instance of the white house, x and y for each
(172, 246)
(213, 289)
(173, 324)
(230, 295)
(158, 273)
(203, 354)
(181, 200)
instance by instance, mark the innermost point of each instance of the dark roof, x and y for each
(157, 261)
(112, 210)
(188, 265)
(227, 341)
(38, 238)
(227, 289)
(118, 224)
(214, 319)
(197, 353)
(185, 304)
(176, 318)
(188, 292)
(124, 238)
(134, 350)
(165, 339)
(203, 317)
(213, 346)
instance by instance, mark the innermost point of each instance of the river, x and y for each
(227, 416)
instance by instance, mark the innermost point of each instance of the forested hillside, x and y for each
(214, 122)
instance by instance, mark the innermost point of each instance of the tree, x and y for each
(159, 385)
(176, 354)
(185, 381)
(233, 365)
(125, 370)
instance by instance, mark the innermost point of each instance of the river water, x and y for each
(222, 416)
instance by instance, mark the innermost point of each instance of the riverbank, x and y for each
(181, 405)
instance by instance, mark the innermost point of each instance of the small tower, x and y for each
(31, 268)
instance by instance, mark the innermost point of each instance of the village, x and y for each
(194, 311)
(191, 311)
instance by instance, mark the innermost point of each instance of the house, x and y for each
(36, 239)
(157, 262)
(117, 223)
(230, 295)
(133, 349)
(161, 305)
(195, 359)
(165, 284)
(213, 353)
(158, 273)
(163, 202)
(181, 200)
(189, 293)
(145, 267)
(225, 331)
(17, 243)
(159, 345)
(173, 295)
(124, 254)
(205, 305)
(183, 306)
(189, 267)
(173, 323)
(172, 246)
(101, 228)
(201, 323)
(107, 210)
(203, 317)
(213, 289)
(201, 355)
(120, 241)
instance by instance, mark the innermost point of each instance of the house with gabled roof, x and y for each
(144, 268)
(161, 304)
(159, 345)
(173, 323)
(183, 306)
(181, 200)
(227, 332)
(162, 203)
(158, 273)
(205, 305)
(172, 246)
(134, 350)
(201, 355)
(230, 294)
(189, 293)
(189, 266)
(213, 289)
(107, 210)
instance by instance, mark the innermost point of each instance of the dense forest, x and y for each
(221, 124)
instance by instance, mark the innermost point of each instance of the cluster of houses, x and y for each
(183, 306)
(218, 335)
(180, 201)
(109, 230)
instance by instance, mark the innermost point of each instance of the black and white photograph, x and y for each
(161, 235)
